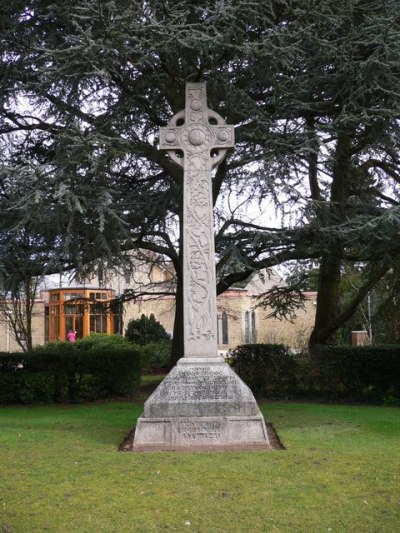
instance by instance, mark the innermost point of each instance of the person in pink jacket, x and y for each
(71, 336)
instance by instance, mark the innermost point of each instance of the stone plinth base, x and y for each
(201, 404)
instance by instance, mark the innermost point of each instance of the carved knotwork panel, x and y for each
(189, 139)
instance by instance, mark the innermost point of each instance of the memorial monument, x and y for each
(202, 403)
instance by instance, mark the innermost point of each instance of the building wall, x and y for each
(259, 327)
(163, 309)
(235, 303)
(7, 340)
(294, 334)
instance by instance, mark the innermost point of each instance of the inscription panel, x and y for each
(208, 430)
(201, 383)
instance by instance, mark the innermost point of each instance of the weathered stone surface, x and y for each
(201, 388)
(202, 403)
(200, 432)
(194, 133)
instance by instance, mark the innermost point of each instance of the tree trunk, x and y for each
(177, 348)
(326, 330)
(328, 305)
(177, 340)
(327, 301)
(29, 303)
(29, 342)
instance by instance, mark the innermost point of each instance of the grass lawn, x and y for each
(60, 472)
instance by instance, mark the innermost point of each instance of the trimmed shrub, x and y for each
(331, 373)
(268, 369)
(95, 341)
(54, 346)
(100, 341)
(370, 373)
(155, 357)
(145, 330)
(68, 375)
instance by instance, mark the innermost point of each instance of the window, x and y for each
(98, 324)
(225, 334)
(253, 328)
(73, 309)
(55, 327)
(247, 327)
(250, 327)
(73, 295)
(68, 310)
(98, 318)
(127, 276)
(97, 295)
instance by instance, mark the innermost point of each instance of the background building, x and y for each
(149, 288)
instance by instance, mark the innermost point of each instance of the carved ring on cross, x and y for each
(195, 138)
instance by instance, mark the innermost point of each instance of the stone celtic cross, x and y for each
(201, 404)
(197, 139)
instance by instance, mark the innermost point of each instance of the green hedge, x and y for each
(356, 373)
(268, 369)
(155, 357)
(95, 341)
(331, 373)
(68, 375)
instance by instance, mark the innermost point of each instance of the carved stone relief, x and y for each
(196, 136)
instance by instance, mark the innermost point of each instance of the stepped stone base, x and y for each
(201, 404)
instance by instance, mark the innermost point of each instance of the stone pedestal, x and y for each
(201, 404)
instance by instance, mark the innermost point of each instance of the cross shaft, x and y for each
(196, 132)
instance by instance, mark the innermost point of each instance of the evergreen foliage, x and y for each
(67, 374)
(99, 341)
(155, 357)
(312, 87)
(384, 307)
(331, 373)
(268, 369)
(95, 341)
(145, 330)
(369, 373)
